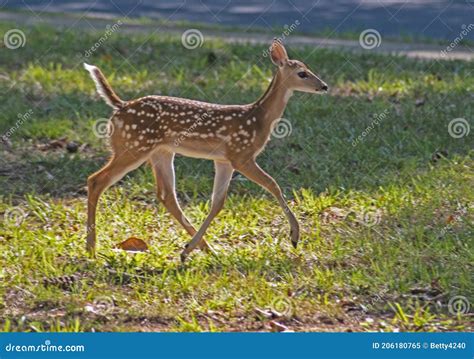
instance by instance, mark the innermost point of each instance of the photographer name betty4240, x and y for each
(419, 345)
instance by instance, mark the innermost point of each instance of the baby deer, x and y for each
(154, 128)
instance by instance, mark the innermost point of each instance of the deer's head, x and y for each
(295, 74)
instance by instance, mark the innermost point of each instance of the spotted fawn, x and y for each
(155, 128)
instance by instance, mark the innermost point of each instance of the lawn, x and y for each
(377, 172)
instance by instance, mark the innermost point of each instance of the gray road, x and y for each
(439, 19)
(410, 49)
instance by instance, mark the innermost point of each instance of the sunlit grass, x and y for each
(387, 224)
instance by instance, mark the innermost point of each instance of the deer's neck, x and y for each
(273, 102)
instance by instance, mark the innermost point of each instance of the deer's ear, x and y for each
(278, 53)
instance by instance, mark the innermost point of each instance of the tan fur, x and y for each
(153, 128)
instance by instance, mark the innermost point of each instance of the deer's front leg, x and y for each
(252, 171)
(222, 179)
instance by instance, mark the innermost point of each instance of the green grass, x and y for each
(387, 223)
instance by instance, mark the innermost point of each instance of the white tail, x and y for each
(103, 87)
(154, 128)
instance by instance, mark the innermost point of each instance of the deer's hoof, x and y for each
(295, 237)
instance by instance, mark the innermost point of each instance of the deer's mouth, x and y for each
(322, 89)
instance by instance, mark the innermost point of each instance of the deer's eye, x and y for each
(303, 74)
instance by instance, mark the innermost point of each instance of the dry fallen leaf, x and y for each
(133, 244)
(450, 219)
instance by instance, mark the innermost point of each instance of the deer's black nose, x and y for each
(324, 87)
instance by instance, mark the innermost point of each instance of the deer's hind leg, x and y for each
(97, 183)
(161, 162)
